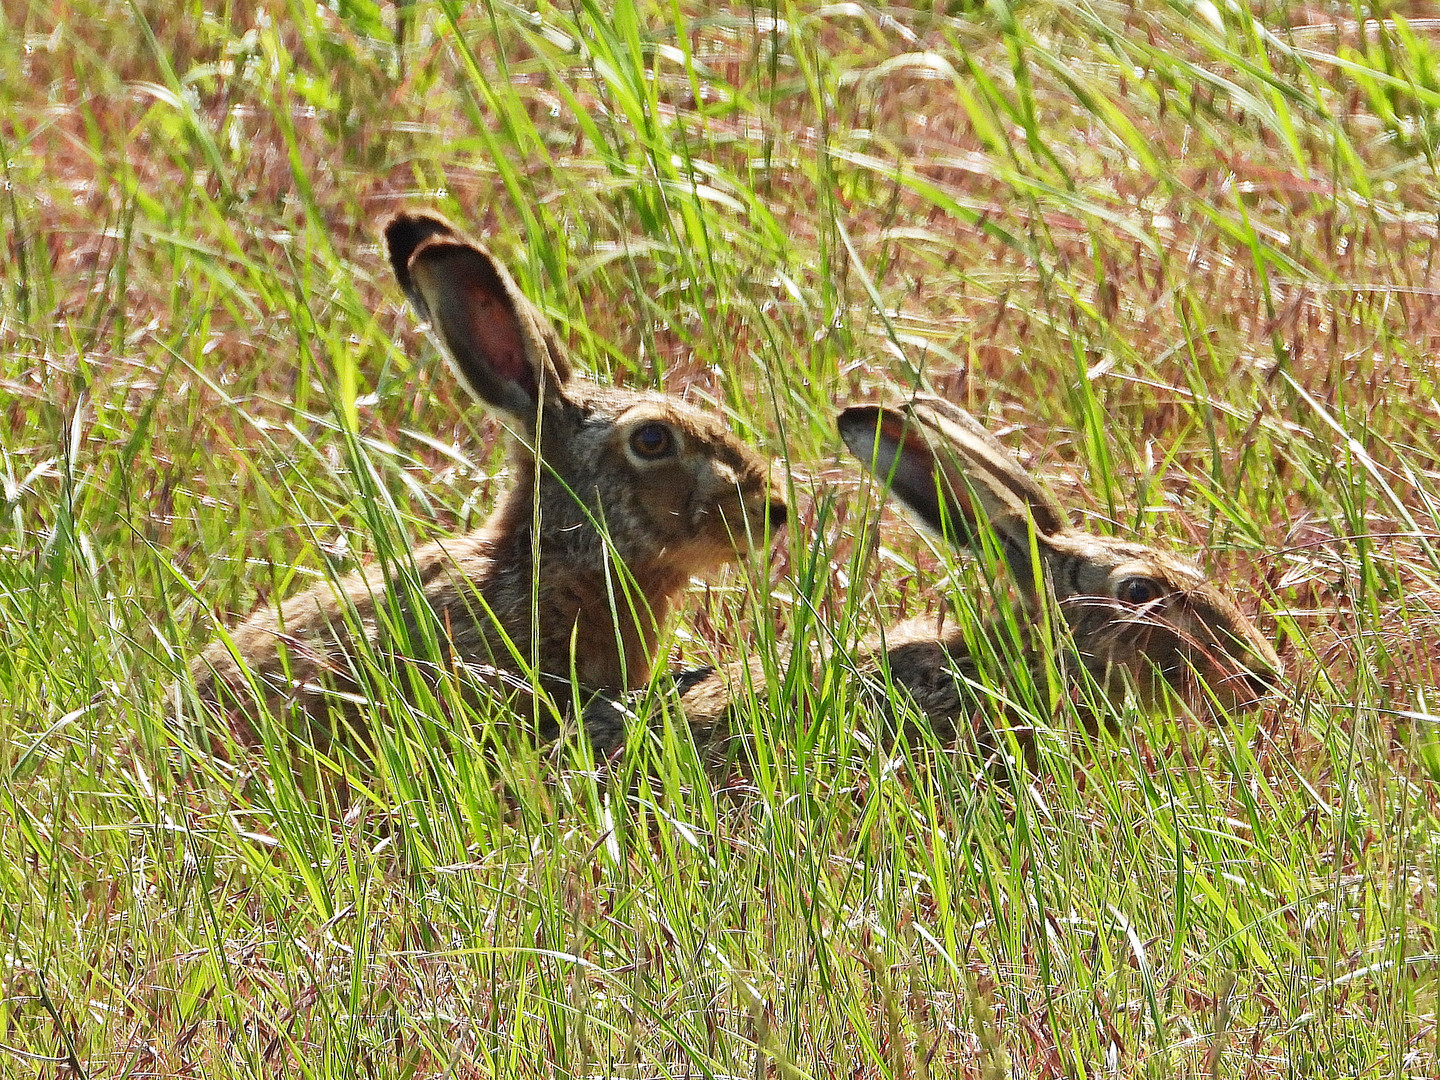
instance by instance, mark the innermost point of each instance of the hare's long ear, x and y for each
(500, 346)
(943, 465)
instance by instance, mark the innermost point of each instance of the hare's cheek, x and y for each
(662, 495)
(1222, 677)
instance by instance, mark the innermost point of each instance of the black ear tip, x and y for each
(406, 231)
(857, 425)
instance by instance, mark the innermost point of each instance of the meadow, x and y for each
(1182, 257)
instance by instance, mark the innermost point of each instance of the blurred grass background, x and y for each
(1181, 256)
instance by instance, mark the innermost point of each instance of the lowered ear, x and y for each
(497, 343)
(899, 451)
(955, 476)
(964, 449)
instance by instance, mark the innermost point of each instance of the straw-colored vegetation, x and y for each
(1181, 256)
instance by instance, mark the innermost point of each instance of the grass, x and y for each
(1181, 256)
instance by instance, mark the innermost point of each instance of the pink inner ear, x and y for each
(494, 329)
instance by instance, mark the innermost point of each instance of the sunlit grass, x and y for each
(1181, 257)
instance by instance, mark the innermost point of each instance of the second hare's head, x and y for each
(672, 488)
(1136, 613)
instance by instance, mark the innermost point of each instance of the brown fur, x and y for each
(578, 566)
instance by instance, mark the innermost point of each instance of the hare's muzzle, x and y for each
(1259, 672)
(1241, 689)
(1243, 672)
(761, 523)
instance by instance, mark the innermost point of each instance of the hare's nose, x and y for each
(776, 514)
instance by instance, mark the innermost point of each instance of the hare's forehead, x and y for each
(1176, 573)
(1120, 559)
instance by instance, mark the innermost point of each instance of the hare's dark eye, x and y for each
(652, 440)
(1138, 590)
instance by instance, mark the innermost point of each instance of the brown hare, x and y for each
(1136, 616)
(617, 498)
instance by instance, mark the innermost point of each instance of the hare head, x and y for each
(1136, 614)
(677, 492)
(617, 499)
